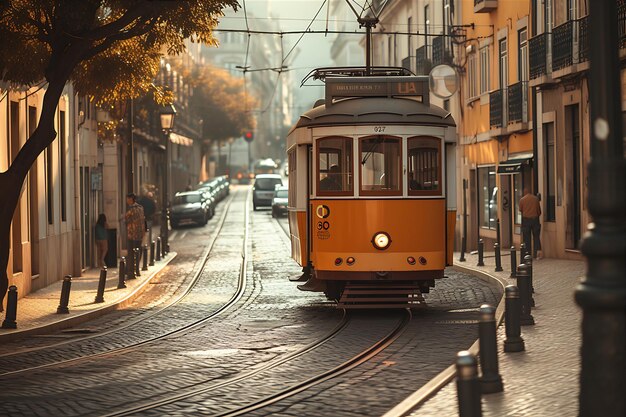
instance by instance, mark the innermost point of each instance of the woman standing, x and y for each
(102, 244)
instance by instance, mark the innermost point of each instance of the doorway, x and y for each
(572, 177)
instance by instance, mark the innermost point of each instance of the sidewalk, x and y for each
(37, 311)
(542, 380)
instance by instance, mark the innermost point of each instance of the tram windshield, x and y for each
(334, 166)
(424, 166)
(381, 163)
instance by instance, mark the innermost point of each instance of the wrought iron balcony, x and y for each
(583, 39)
(485, 6)
(497, 108)
(441, 54)
(538, 55)
(518, 102)
(422, 64)
(562, 45)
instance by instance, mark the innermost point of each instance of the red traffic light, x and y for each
(248, 136)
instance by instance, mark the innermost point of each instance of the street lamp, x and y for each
(168, 114)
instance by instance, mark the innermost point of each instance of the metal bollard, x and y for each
(481, 248)
(137, 255)
(463, 249)
(101, 285)
(496, 249)
(513, 341)
(65, 295)
(158, 248)
(145, 258)
(528, 260)
(513, 262)
(522, 251)
(152, 247)
(523, 283)
(468, 385)
(9, 320)
(121, 283)
(491, 381)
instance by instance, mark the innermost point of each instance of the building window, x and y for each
(381, 165)
(472, 67)
(487, 197)
(522, 62)
(504, 64)
(334, 166)
(49, 188)
(550, 173)
(484, 70)
(424, 154)
(63, 165)
(517, 196)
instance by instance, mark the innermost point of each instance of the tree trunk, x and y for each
(12, 180)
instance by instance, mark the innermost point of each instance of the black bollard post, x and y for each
(145, 258)
(528, 260)
(514, 341)
(523, 283)
(130, 264)
(65, 295)
(9, 320)
(137, 255)
(463, 249)
(481, 248)
(468, 385)
(513, 262)
(491, 381)
(158, 248)
(496, 249)
(101, 285)
(522, 251)
(152, 246)
(498, 231)
(121, 282)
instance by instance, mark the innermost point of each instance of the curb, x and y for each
(64, 323)
(442, 379)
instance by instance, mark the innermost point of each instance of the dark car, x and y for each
(263, 190)
(189, 206)
(279, 202)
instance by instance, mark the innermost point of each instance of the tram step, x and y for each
(375, 295)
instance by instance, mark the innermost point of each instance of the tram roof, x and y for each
(375, 110)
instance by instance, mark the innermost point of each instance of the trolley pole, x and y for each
(602, 292)
(368, 23)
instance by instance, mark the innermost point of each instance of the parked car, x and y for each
(263, 190)
(189, 206)
(279, 202)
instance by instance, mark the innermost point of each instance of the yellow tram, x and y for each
(372, 189)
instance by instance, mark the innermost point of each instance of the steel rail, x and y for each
(241, 284)
(347, 366)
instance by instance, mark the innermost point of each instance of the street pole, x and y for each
(166, 194)
(602, 293)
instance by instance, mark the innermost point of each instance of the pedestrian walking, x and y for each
(102, 243)
(530, 208)
(149, 209)
(135, 223)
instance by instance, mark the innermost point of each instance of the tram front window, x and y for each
(424, 167)
(334, 166)
(381, 165)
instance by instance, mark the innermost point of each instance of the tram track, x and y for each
(240, 289)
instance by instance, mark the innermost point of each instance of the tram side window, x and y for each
(381, 166)
(334, 166)
(424, 176)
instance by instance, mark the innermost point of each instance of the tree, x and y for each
(108, 49)
(222, 102)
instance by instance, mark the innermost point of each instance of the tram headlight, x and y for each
(381, 240)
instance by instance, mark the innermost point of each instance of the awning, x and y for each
(514, 164)
(180, 140)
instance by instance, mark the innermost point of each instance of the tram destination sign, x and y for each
(416, 87)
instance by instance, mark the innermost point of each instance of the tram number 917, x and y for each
(379, 129)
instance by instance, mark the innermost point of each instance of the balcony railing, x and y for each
(518, 102)
(562, 45)
(422, 64)
(497, 108)
(441, 54)
(583, 39)
(539, 55)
